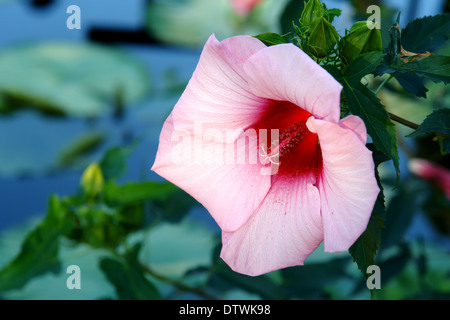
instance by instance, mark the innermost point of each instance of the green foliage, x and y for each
(290, 15)
(427, 34)
(102, 216)
(315, 34)
(365, 248)
(225, 278)
(363, 103)
(363, 65)
(114, 162)
(39, 251)
(359, 54)
(128, 278)
(271, 38)
(411, 68)
(306, 281)
(437, 123)
(400, 213)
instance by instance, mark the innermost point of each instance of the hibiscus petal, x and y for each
(218, 100)
(347, 186)
(217, 95)
(285, 73)
(356, 124)
(230, 189)
(283, 232)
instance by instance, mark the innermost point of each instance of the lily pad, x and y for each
(82, 80)
(173, 249)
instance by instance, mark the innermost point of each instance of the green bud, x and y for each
(323, 37)
(361, 39)
(92, 180)
(312, 10)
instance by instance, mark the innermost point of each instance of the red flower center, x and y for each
(295, 149)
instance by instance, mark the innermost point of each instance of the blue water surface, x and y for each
(29, 142)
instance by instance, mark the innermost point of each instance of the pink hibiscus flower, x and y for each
(274, 201)
(243, 7)
(432, 172)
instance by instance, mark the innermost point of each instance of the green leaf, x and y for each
(364, 103)
(395, 264)
(136, 192)
(80, 80)
(445, 145)
(310, 280)
(362, 66)
(128, 278)
(114, 162)
(39, 251)
(420, 36)
(330, 14)
(168, 201)
(271, 38)
(399, 214)
(226, 279)
(411, 83)
(426, 34)
(366, 246)
(434, 67)
(437, 123)
(291, 15)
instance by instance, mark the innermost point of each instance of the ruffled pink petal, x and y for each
(217, 94)
(285, 73)
(230, 189)
(218, 101)
(347, 186)
(355, 124)
(283, 232)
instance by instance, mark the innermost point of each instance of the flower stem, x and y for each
(177, 284)
(383, 83)
(405, 122)
(394, 117)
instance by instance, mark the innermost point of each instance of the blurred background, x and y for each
(69, 95)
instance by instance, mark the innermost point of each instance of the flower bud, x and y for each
(323, 37)
(92, 180)
(361, 39)
(312, 10)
